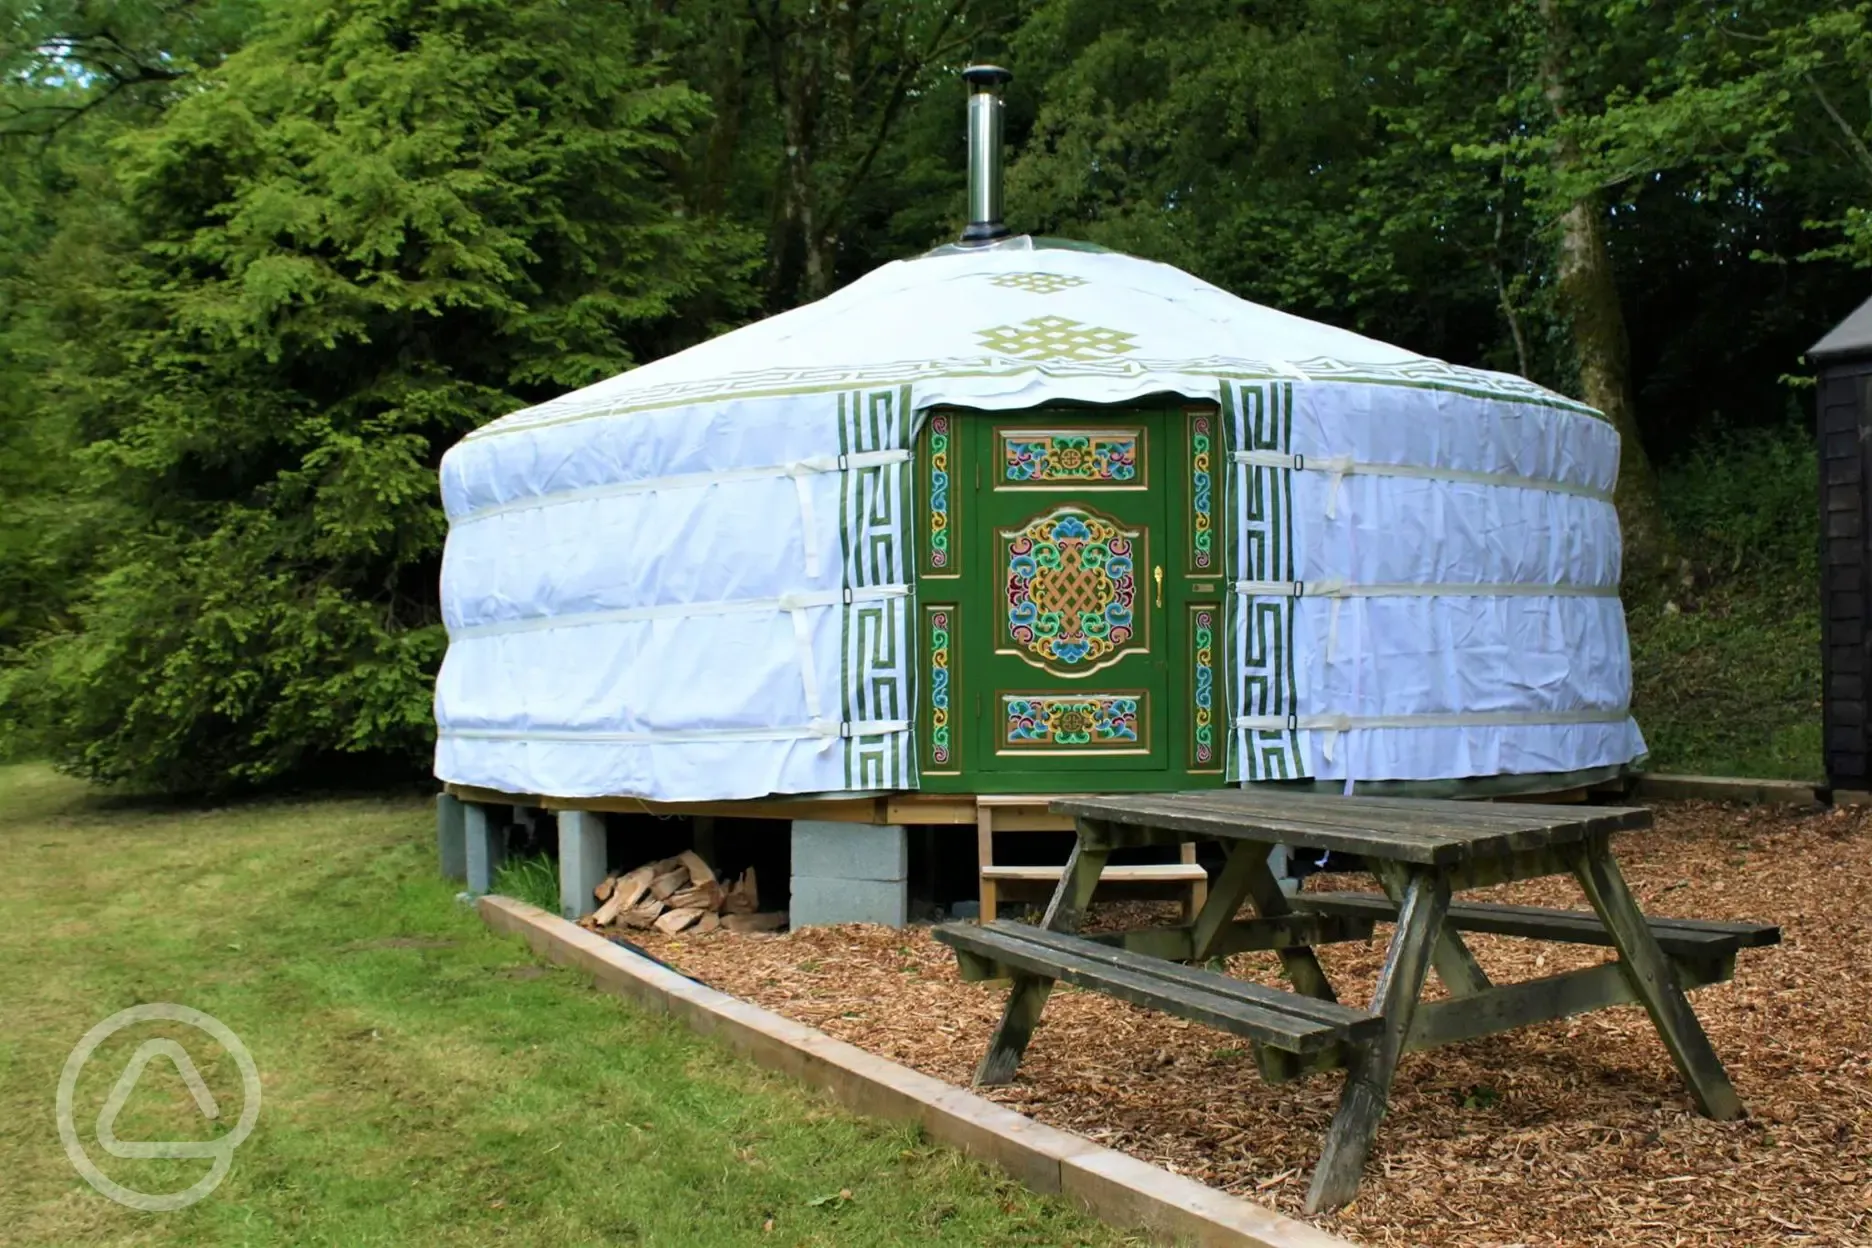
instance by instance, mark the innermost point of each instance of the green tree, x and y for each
(1764, 94)
(374, 227)
(65, 61)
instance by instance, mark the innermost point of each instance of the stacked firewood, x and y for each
(681, 894)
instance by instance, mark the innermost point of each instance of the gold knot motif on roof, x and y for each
(1037, 283)
(1056, 338)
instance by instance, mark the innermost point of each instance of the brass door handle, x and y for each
(1157, 575)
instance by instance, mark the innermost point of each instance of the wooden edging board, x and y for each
(1655, 787)
(1115, 1187)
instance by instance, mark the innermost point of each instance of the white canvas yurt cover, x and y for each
(695, 580)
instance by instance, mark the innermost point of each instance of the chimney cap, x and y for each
(984, 77)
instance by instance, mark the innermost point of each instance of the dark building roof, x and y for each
(1851, 336)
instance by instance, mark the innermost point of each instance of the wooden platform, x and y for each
(987, 814)
(899, 808)
(1156, 872)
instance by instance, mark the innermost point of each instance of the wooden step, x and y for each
(1174, 872)
(1273, 1016)
(1037, 801)
(1678, 937)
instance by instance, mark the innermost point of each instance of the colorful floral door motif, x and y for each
(1070, 580)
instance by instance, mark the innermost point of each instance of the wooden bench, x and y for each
(1683, 939)
(1271, 1016)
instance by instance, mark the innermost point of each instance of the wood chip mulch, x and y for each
(1572, 1133)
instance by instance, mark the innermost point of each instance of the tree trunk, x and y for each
(1589, 301)
(724, 135)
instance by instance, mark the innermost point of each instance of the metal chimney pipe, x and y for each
(984, 156)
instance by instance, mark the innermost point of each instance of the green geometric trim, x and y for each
(1262, 627)
(875, 644)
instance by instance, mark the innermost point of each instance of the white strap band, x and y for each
(1338, 466)
(1457, 719)
(685, 610)
(695, 480)
(822, 728)
(809, 528)
(1408, 589)
(1330, 726)
(809, 670)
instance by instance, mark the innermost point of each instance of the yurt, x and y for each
(1025, 516)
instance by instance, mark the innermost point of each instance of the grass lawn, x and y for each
(424, 1081)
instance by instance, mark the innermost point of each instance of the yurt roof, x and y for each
(1044, 310)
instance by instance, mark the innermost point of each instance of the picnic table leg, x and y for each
(1029, 995)
(1654, 979)
(1455, 965)
(1368, 1078)
(1245, 877)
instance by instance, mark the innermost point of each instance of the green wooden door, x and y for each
(1070, 591)
(1069, 535)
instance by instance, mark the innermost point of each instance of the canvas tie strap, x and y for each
(809, 670)
(809, 530)
(685, 610)
(1331, 725)
(1339, 467)
(1410, 589)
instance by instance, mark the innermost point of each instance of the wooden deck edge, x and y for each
(1656, 787)
(903, 808)
(1115, 1187)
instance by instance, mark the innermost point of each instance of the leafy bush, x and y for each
(1744, 505)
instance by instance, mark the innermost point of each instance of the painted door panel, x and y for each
(1068, 533)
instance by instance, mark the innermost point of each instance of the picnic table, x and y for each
(1420, 852)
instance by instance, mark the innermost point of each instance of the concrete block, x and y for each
(581, 861)
(451, 837)
(850, 851)
(817, 901)
(702, 837)
(487, 845)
